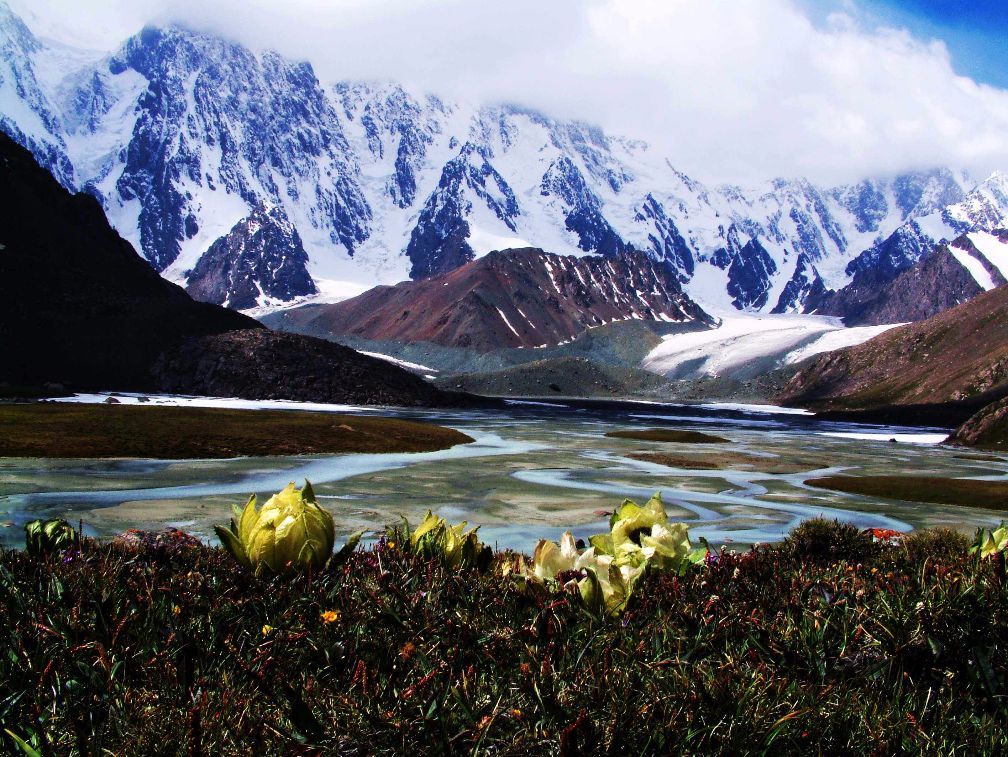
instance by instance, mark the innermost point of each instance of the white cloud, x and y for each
(730, 89)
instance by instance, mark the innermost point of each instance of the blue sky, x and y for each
(975, 31)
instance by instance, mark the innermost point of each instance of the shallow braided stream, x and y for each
(534, 470)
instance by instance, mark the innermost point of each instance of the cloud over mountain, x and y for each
(731, 89)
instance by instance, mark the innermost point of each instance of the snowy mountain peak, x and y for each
(260, 261)
(181, 135)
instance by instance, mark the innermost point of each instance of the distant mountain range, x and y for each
(241, 176)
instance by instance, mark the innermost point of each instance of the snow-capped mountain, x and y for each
(182, 135)
(261, 254)
(983, 209)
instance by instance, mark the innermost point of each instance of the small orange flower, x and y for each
(391, 545)
(176, 610)
(330, 616)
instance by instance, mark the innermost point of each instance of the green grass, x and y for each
(946, 491)
(167, 433)
(160, 645)
(680, 436)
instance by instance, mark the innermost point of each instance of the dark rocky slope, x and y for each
(510, 298)
(261, 364)
(78, 306)
(81, 310)
(563, 377)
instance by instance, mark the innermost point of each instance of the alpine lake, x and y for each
(534, 470)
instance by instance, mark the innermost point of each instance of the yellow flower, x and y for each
(176, 610)
(454, 545)
(330, 616)
(267, 630)
(290, 532)
(391, 545)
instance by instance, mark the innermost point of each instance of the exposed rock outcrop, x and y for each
(987, 428)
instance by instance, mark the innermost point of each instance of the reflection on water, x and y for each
(534, 471)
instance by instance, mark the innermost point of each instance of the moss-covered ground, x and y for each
(677, 435)
(938, 489)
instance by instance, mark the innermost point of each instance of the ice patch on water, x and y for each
(882, 436)
(234, 403)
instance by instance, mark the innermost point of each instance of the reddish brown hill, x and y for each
(510, 298)
(957, 355)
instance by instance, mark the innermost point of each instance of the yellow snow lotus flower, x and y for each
(458, 548)
(608, 586)
(605, 573)
(666, 546)
(290, 532)
(631, 520)
(990, 543)
(601, 583)
(643, 536)
(550, 558)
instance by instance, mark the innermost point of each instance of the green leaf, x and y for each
(308, 493)
(347, 549)
(232, 544)
(25, 746)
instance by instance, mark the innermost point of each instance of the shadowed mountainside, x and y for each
(78, 306)
(79, 309)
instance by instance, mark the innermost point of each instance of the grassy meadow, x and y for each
(830, 642)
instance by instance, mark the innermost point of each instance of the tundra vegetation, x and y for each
(638, 641)
(170, 433)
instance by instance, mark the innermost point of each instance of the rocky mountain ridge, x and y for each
(946, 276)
(261, 253)
(507, 299)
